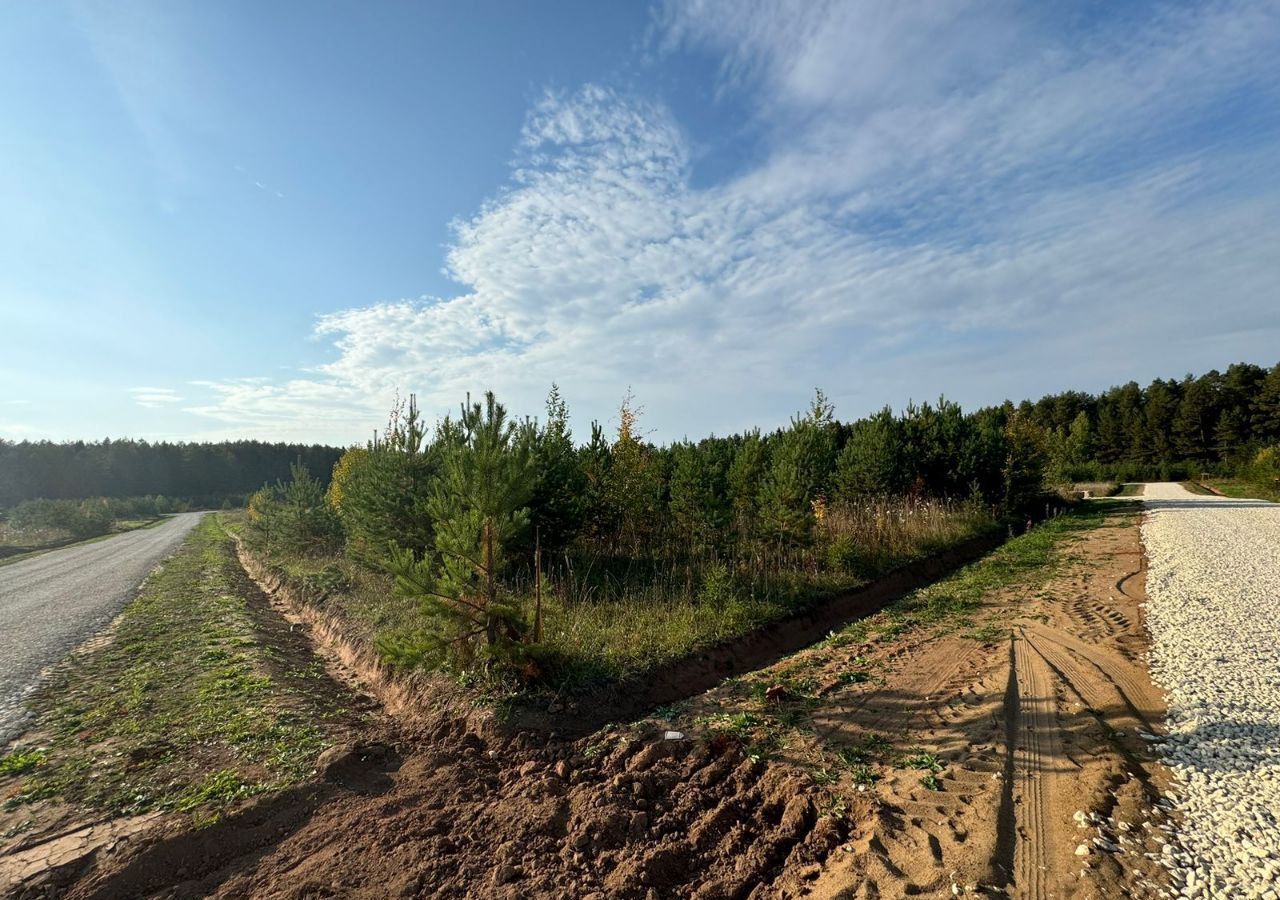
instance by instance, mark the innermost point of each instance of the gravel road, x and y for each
(1214, 597)
(51, 603)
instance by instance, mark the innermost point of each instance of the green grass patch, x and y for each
(1028, 559)
(1247, 490)
(1196, 487)
(202, 697)
(1133, 489)
(20, 761)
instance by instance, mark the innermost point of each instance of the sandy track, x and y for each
(1048, 790)
(52, 602)
(1214, 587)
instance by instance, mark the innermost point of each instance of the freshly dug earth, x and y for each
(996, 752)
(462, 816)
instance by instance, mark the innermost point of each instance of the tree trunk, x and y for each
(491, 585)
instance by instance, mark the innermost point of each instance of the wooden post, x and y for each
(537, 586)
(491, 585)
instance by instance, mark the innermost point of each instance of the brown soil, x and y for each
(1035, 734)
(1045, 786)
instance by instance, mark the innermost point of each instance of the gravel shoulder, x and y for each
(52, 602)
(1213, 585)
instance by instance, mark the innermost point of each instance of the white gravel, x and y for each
(1213, 585)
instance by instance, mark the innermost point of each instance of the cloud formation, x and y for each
(154, 397)
(956, 197)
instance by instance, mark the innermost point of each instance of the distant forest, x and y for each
(1167, 430)
(1170, 429)
(204, 474)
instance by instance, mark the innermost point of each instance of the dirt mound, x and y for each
(451, 814)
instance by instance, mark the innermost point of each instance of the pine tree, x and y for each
(559, 483)
(746, 471)
(384, 489)
(1025, 459)
(634, 481)
(869, 463)
(801, 464)
(1266, 407)
(478, 505)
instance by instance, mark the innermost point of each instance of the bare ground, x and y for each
(1045, 787)
(1001, 747)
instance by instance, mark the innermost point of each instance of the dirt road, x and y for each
(52, 602)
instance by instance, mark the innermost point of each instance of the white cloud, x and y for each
(154, 397)
(956, 200)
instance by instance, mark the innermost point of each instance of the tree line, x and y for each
(1217, 421)
(202, 474)
(1169, 430)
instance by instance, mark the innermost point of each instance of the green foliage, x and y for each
(479, 507)
(1024, 462)
(802, 459)
(383, 488)
(79, 519)
(746, 471)
(201, 474)
(294, 516)
(633, 485)
(719, 588)
(20, 760)
(698, 504)
(559, 487)
(871, 461)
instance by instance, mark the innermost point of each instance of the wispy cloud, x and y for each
(957, 170)
(153, 397)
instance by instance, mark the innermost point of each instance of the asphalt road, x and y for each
(53, 602)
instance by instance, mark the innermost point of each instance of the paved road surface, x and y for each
(51, 603)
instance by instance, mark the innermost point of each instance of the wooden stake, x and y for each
(537, 586)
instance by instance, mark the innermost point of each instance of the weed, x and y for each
(863, 775)
(20, 761)
(836, 806)
(932, 782)
(920, 760)
(988, 633)
(852, 756)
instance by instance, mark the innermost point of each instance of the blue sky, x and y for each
(249, 219)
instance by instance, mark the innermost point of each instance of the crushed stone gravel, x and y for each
(1213, 587)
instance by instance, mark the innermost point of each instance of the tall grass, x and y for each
(599, 623)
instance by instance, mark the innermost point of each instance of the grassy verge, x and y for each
(770, 711)
(1246, 490)
(1133, 489)
(1028, 560)
(1196, 487)
(19, 548)
(593, 642)
(592, 638)
(202, 696)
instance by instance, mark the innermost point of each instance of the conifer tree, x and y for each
(870, 461)
(479, 507)
(556, 503)
(800, 469)
(383, 491)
